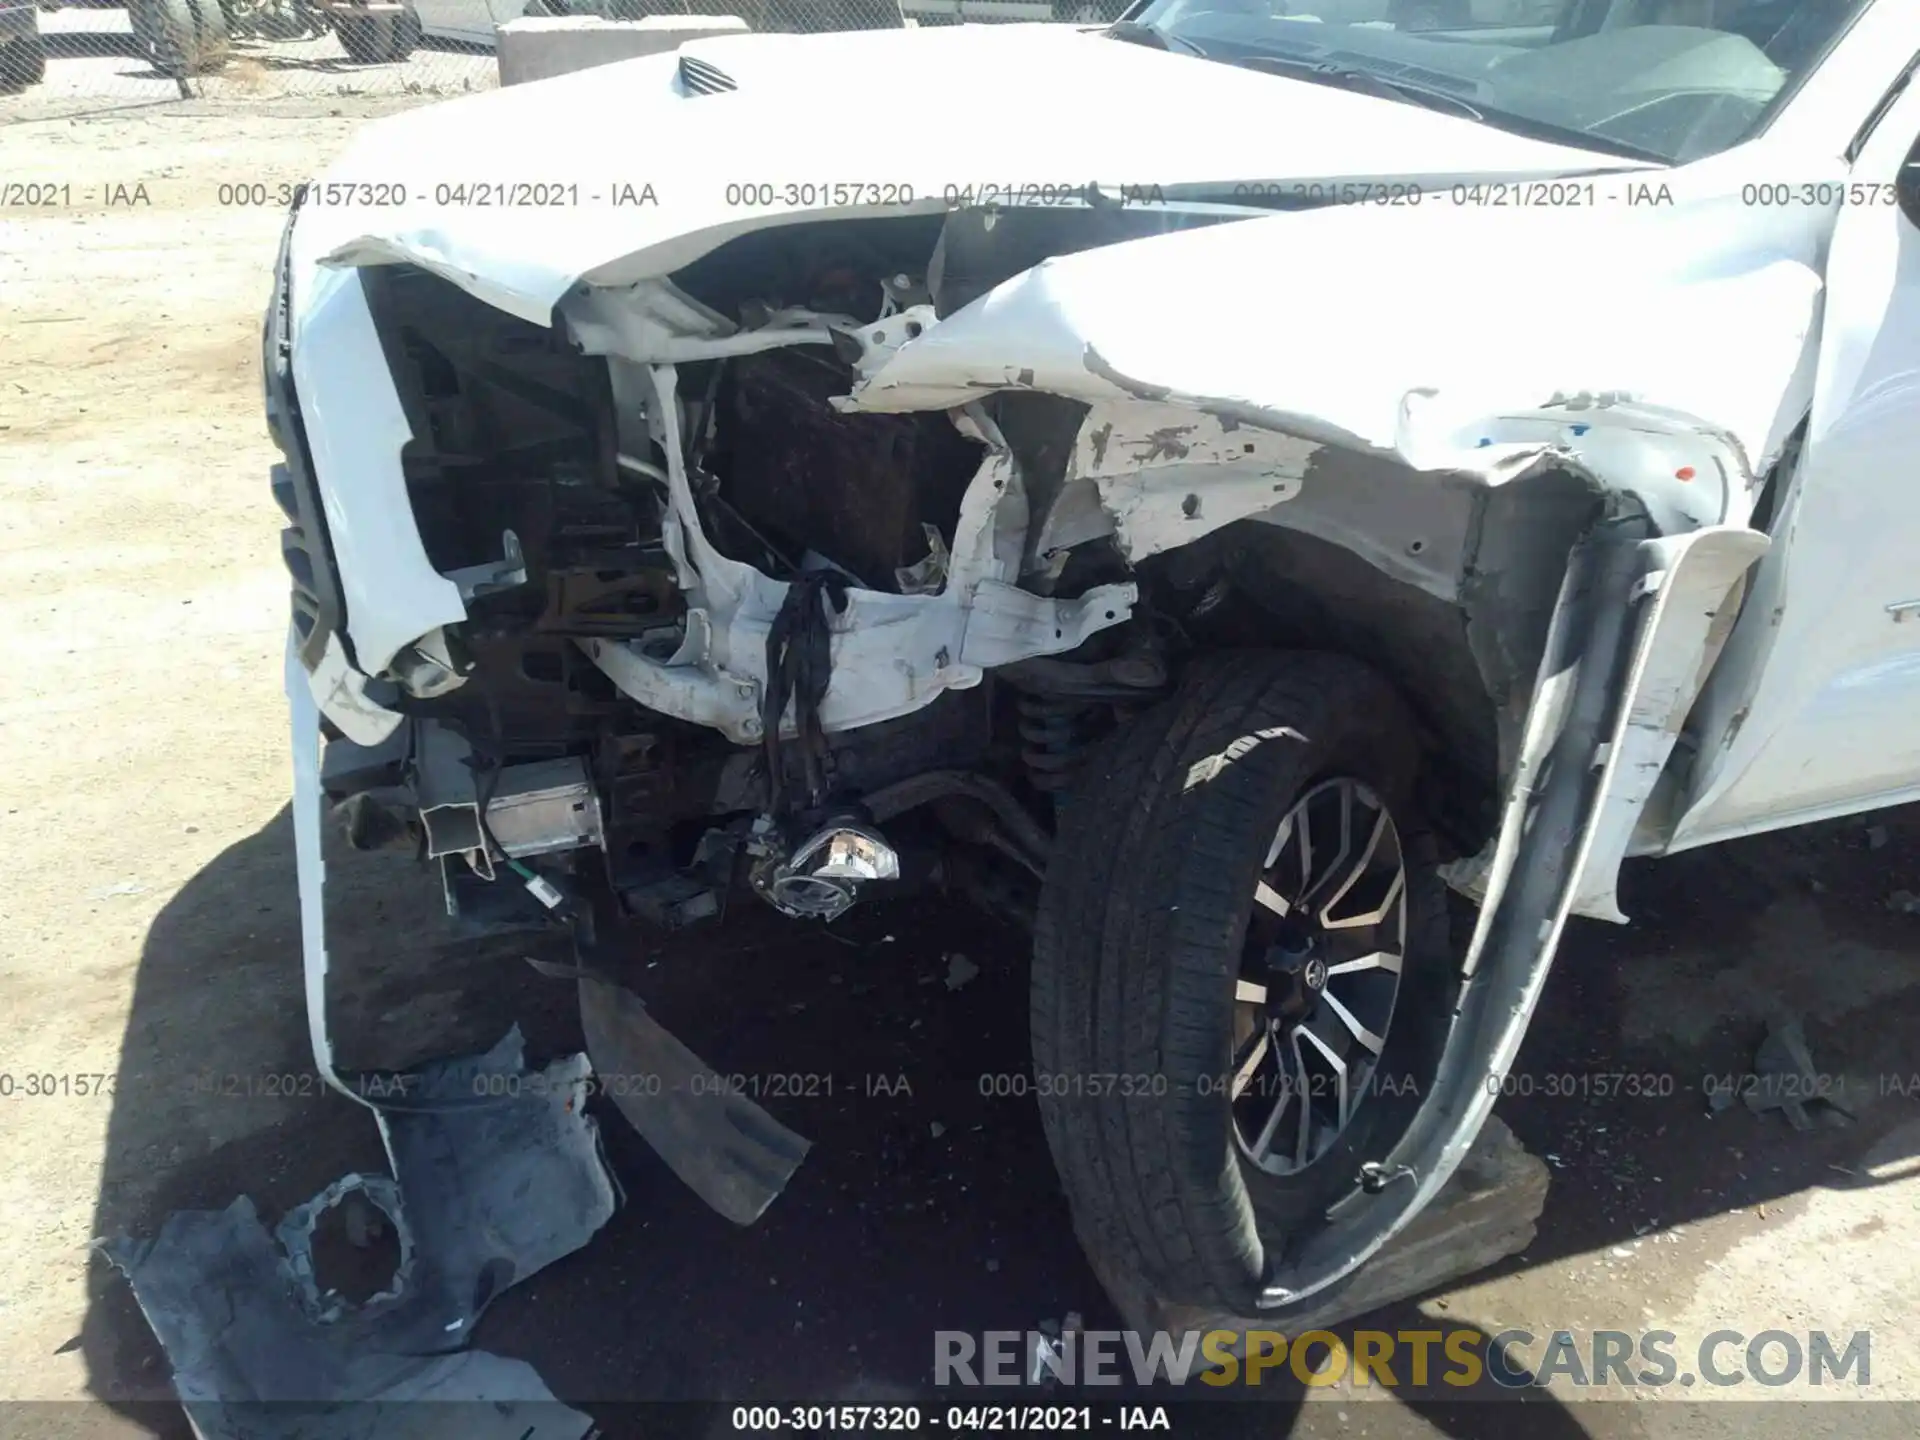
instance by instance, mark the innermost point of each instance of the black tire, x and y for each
(406, 35)
(168, 33)
(23, 62)
(211, 35)
(1138, 945)
(365, 39)
(379, 39)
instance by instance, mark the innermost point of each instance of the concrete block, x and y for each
(538, 48)
(1487, 1212)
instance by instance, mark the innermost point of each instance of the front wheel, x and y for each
(167, 32)
(24, 62)
(1242, 978)
(213, 33)
(379, 39)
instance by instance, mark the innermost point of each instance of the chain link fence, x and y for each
(64, 57)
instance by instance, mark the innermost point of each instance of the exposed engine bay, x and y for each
(952, 606)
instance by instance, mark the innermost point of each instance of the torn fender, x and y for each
(1449, 338)
(1665, 356)
(1551, 817)
(1694, 585)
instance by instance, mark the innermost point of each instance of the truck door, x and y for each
(1814, 710)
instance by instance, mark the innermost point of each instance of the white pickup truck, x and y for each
(1198, 487)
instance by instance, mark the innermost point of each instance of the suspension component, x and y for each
(1055, 731)
(1065, 705)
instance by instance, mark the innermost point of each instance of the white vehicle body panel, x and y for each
(1696, 595)
(1055, 121)
(1683, 337)
(1470, 374)
(1817, 709)
(471, 21)
(356, 431)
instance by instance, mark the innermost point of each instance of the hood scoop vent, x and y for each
(699, 77)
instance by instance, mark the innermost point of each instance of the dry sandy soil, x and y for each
(148, 939)
(95, 65)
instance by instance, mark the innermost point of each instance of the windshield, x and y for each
(1664, 79)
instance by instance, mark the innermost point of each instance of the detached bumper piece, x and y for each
(729, 1151)
(497, 1173)
(478, 816)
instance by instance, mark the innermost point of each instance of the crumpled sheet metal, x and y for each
(524, 259)
(498, 1172)
(1701, 315)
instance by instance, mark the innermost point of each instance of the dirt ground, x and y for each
(148, 935)
(94, 64)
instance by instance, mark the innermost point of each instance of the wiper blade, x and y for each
(1136, 33)
(1353, 77)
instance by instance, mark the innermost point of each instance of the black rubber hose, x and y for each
(918, 790)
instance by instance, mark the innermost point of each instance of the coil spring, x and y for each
(1055, 731)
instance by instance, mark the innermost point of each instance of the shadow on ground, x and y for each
(929, 1203)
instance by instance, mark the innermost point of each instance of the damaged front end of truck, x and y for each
(818, 559)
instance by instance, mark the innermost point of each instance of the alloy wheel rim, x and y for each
(1319, 976)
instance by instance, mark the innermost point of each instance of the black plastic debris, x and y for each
(721, 1143)
(1784, 1078)
(497, 1173)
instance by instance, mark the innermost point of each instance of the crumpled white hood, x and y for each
(1431, 333)
(925, 111)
